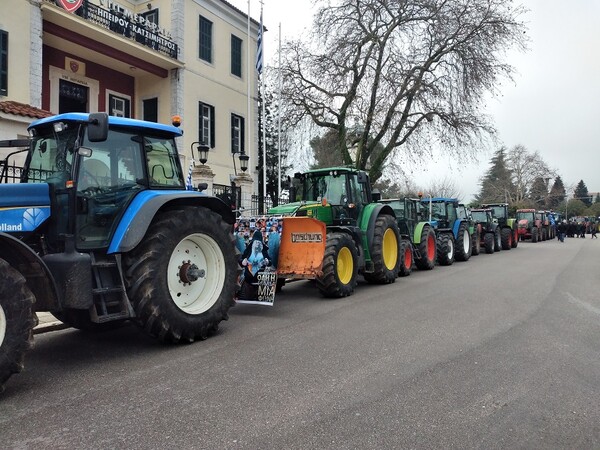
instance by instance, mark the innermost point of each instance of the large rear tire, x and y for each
(406, 258)
(445, 249)
(181, 278)
(515, 241)
(464, 246)
(427, 249)
(340, 266)
(384, 251)
(506, 238)
(16, 321)
(534, 234)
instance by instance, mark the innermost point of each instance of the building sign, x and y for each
(70, 5)
(124, 22)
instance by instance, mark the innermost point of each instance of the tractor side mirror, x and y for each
(98, 127)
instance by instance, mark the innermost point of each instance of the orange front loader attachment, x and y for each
(302, 248)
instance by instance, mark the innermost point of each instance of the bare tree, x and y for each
(408, 71)
(525, 168)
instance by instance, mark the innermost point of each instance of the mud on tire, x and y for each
(16, 321)
(340, 266)
(180, 245)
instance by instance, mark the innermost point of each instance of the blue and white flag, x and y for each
(259, 49)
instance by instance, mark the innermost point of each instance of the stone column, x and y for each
(203, 174)
(246, 183)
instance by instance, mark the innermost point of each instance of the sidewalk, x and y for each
(47, 322)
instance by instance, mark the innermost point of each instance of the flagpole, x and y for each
(264, 146)
(248, 110)
(279, 122)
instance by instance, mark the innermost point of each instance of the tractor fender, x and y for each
(142, 210)
(419, 231)
(39, 278)
(358, 238)
(456, 227)
(369, 217)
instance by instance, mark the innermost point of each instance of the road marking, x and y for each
(583, 304)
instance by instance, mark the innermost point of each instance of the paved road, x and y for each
(499, 352)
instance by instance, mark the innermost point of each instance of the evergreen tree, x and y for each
(597, 200)
(557, 193)
(496, 184)
(538, 193)
(581, 193)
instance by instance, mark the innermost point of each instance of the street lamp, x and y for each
(244, 162)
(202, 151)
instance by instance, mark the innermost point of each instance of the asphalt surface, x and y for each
(501, 351)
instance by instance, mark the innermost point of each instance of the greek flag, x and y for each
(259, 50)
(188, 181)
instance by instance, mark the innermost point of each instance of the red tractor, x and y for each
(529, 225)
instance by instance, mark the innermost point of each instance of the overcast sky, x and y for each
(552, 106)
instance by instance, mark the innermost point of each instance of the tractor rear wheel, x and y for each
(181, 279)
(427, 249)
(506, 238)
(515, 241)
(340, 266)
(463, 243)
(488, 240)
(445, 249)
(16, 321)
(534, 234)
(406, 258)
(384, 251)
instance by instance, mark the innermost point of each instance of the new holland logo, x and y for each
(70, 5)
(307, 237)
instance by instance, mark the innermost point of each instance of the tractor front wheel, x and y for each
(476, 249)
(488, 240)
(340, 266)
(16, 321)
(445, 249)
(427, 249)
(384, 251)
(497, 240)
(406, 258)
(181, 278)
(515, 241)
(463, 243)
(506, 238)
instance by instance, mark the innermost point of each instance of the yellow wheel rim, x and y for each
(390, 249)
(345, 265)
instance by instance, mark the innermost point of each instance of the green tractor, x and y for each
(102, 229)
(362, 235)
(419, 233)
(509, 231)
(490, 236)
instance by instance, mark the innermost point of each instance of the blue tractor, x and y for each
(102, 229)
(453, 234)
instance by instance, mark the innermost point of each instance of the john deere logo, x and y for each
(70, 5)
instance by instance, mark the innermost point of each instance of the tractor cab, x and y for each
(83, 170)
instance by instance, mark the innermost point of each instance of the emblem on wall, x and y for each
(70, 5)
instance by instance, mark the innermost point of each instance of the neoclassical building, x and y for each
(145, 59)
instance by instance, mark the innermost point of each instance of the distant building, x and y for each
(136, 58)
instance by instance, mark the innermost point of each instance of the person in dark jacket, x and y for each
(562, 230)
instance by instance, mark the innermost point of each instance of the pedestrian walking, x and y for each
(594, 227)
(562, 229)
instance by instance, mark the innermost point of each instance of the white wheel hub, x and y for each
(196, 273)
(2, 325)
(466, 242)
(450, 248)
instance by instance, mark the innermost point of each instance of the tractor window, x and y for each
(451, 212)
(163, 165)
(438, 211)
(51, 159)
(498, 212)
(107, 181)
(479, 216)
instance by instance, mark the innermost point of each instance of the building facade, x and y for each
(142, 59)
